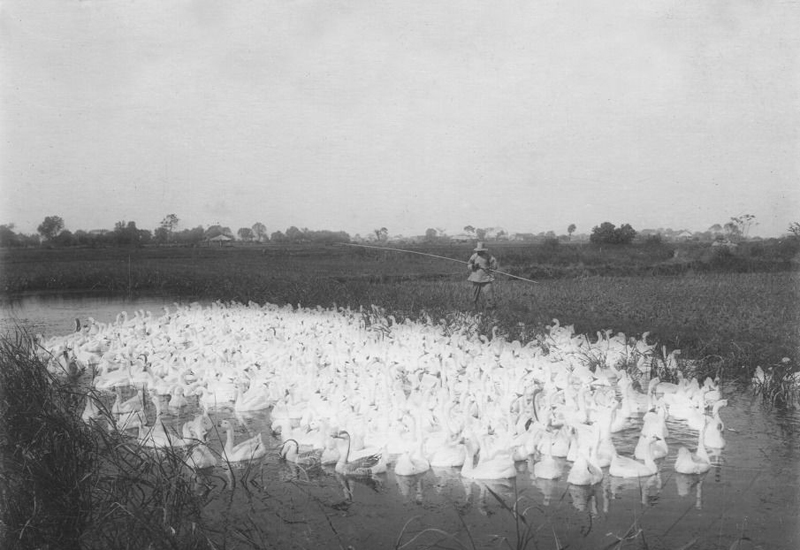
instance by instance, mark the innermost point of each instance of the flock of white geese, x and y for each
(367, 393)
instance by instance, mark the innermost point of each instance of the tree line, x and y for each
(52, 232)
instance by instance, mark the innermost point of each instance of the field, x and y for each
(729, 312)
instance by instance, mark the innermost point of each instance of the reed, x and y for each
(69, 484)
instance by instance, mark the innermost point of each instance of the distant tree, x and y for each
(716, 228)
(625, 234)
(469, 229)
(50, 227)
(277, 237)
(165, 232)
(7, 236)
(294, 235)
(245, 234)
(431, 234)
(64, 238)
(739, 226)
(571, 229)
(794, 229)
(480, 233)
(260, 232)
(126, 233)
(190, 237)
(608, 233)
(382, 234)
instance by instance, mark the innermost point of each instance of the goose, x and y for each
(628, 467)
(364, 466)
(499, 466)
(547, 467)
(693, 463)
(158, 436)
(249, 449)
(177, 399)
(200, 457)
(133, 404)
(585, 470)
(714, 427)
(412, 462)
(658, 447)
(290, 452)
(254, 399)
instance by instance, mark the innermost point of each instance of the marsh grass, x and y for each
(69, 484)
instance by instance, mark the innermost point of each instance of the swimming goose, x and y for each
(249, 449)
(290, 452)
(693, 463)
(499, 466)
(413, 460)
(364, 466)
(133, 404)
(628, 467)
(547, 467)
(158, 436)
(714, 427)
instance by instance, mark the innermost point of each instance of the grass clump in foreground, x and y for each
(68, 484)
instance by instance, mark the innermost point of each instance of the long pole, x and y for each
(434, 256)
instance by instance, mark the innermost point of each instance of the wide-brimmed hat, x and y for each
(480, 248)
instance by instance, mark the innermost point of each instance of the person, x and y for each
(481, 265)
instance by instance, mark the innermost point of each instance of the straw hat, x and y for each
(480, 248)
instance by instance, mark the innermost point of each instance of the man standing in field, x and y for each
(481, 265)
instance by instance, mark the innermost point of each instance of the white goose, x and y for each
(249, 449)
(693, 463)
(500, 466)
(714, 427)
(628, 467)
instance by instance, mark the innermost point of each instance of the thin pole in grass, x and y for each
(434, 256)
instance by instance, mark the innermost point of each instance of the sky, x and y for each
(351, 115)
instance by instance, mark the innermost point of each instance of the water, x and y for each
(753, 491)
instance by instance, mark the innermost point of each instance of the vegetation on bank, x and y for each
(730, 309)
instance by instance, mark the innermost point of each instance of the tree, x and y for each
(7, 235)
(794, 229)
(277, 237)
(571, 229)
(50, 227)
(294, 235)
(260, 232)
(480, 233)
(245, 234)
(739, 226)
(166, 229)
(608, 233)
(469, 229)
(382, 234)
(431, 234)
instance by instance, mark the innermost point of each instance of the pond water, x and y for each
(751, 493)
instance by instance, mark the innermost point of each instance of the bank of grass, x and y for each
(729, 311)
(67, 484)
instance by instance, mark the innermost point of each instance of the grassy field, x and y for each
(730, 311)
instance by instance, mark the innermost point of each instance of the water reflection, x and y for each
(686, 482)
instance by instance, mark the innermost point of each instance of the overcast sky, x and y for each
(354, 115)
